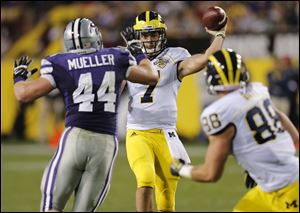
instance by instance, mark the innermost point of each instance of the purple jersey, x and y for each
(90, 85)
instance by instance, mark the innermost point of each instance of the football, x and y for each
(214, 18)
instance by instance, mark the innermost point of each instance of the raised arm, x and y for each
(26, 91)
(197, 62)
(144, 72)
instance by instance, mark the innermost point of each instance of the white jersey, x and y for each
(155, 106)
(260, 145)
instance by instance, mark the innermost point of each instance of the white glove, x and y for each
(179, 167)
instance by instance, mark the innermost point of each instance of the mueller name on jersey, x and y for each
(91, 61)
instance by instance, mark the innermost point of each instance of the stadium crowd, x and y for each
(183, 18)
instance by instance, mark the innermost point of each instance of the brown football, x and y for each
(214, 18)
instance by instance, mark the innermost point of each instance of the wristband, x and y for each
(19, 78)
(186, 171)
(140, 57)
(222, 34)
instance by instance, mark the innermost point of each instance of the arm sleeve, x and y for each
(216, 118)
(180, 54)
(47, 71)
(175, 56)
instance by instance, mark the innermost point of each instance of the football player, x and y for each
(89, 78)
(244, 122)
(151, 140)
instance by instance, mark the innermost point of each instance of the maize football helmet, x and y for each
(81, 34)
(150, 21)
(226, 71)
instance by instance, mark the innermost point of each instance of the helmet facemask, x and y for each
(149, 23)
(156, 46)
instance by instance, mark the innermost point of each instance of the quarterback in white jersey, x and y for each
(244, 122)
(151, 140)
(155, 106)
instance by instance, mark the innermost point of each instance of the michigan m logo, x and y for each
(172, 134)
(292, 204)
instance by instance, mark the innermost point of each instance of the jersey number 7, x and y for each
(147, 98)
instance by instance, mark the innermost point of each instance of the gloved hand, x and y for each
(176, 166)
(134, 45)
(249, 182)
(221, 32)
(21, 72)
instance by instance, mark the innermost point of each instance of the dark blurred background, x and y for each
(266, 33)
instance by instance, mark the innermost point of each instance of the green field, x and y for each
(22, 166)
